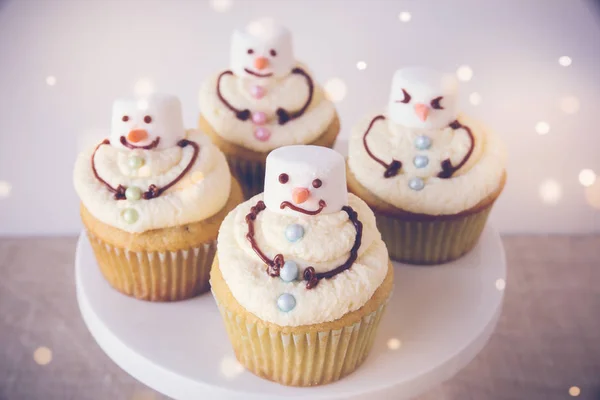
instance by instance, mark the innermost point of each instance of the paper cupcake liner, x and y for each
(303, 359)
(429, 241)
(155, 276)
(250, 174)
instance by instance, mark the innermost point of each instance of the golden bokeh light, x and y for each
(42, 355)
(574, 391)
(394, 344)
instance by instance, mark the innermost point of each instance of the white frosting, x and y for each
(411, 102)
(201, 192)
(155, 116)
(477, 179)
(303, 165)
(289, 93)
(264, 47)
(326, 244)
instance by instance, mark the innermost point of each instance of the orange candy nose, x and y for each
(422, 111)
(261, 63)
(137, 135)
(300, 195)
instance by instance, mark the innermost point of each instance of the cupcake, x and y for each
(430, 174)
(265, 100)
(152, 199)
(302, 276)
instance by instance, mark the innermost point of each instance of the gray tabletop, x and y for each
(546, 345)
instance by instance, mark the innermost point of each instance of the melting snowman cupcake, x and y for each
(264, 101)
(430, 174)
(299, 268)
(152, 198)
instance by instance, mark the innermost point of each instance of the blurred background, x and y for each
(529, 69)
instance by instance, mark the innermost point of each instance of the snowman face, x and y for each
(423, 98)
(154, 122)
(263, 50)
(305, 180)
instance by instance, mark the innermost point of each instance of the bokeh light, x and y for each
(394, 344)
(42, 355)
(464, 73)
(500, 284)
(221, 5)
(574, 391)
(335, 90)
(550, 191)
(475, 98)
(565, 61)
(587, 177)
(404, 16)
(361, 65)
(5, 189)
(542, 127)
(51, 80)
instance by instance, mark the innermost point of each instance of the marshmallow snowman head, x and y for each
(262, 50)
(423, 98)
(305, 180)
(153, 122)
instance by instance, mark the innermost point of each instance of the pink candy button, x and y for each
(262, 134)
(259, 118)
(257, 92)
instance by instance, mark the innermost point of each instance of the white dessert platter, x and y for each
(437, 321)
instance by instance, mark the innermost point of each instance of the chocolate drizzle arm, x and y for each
(284, 116)
(119, 191)
(392, 168)
(242, 115)
(274, 265)
(154, 191)
(312, 278)
(447, 168)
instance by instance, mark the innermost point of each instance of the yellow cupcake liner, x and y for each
(431, 241)
(155, 276)
(315, 357)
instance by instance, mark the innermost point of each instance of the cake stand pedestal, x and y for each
(438, 319)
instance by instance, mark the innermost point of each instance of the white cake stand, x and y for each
(439, 318)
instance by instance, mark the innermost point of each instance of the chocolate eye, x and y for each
(250, 51)
(406, 98)
(273, 53)
(147, 119)
(125, 118)
(435, 103)
(317, 183)
(284, 178)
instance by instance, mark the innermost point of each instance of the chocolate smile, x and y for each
(287, 204)
(257, 74)
(150, 146)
